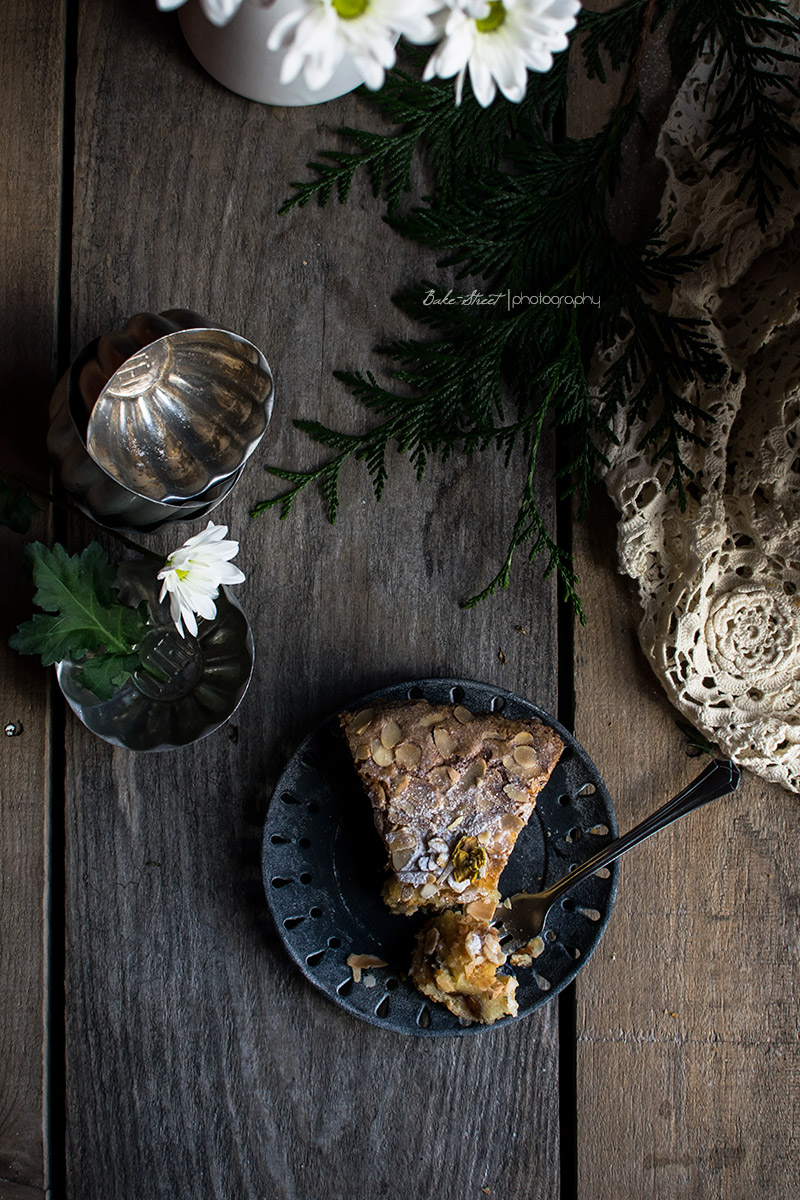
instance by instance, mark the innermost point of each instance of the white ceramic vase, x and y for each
(236, 55)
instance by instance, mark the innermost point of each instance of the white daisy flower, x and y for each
(317, 34)
(499, 41)
(194, 573)
(219, 12)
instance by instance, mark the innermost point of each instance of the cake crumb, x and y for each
(358, 962)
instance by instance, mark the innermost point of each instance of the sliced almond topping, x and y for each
(390, 734)
(361, 720)
(408, 754)
(463, 714)
(439, 778)
(527, 758)
(400, 784)
(362, 752)
(482, 910)
(445, 742)
(429, 719)
(475, 773)
(455, 824)
(431, 940)
(401, 858)
(508, 762)
(511, 823)
(522, 739)
(516, 794)
(380, 755)
(493, 950)
(427, 890)
(454, 775)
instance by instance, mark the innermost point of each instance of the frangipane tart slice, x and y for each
(456, 963)
(450, 792)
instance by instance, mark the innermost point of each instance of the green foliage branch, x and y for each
(82, 620)
(517, 205)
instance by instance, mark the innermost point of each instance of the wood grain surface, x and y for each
(687, 1034)
(31, 87)
(197, 1060)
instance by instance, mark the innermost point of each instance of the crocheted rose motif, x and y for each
(720, 582)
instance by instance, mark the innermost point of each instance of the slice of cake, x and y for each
(450, 792)
(455, 963)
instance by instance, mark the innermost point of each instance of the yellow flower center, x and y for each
(497, 14)
(348, 9)
(181, 573)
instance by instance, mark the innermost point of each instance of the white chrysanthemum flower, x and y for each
(219, 12)
(317, 34)
(194, 573)
(499, 41)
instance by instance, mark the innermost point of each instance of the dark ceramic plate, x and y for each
(324, 867)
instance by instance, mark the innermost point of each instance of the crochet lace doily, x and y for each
(720, 582)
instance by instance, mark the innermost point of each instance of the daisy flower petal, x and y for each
(219, 12)
(498, 41)
(321, 32)
(194, 573)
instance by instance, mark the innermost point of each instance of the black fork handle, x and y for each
(719, 778)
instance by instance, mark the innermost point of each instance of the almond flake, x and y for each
(463, 715)
(401, 858)
(445, 742)
(475, 773)
(390, 734)
(527, 758)
(481, 910)
(429, 719)
(408, 754)
(361, 720)
(358, 962)
(516, 794)
(380, 755)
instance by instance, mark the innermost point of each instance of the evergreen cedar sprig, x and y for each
(533, 220)
(752, 97)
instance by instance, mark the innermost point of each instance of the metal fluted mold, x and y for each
(186, 688)
(182, 415)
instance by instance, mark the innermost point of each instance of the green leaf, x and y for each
(16, 507)
(103, 674)
(81, 616)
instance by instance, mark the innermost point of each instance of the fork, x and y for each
(525, 914)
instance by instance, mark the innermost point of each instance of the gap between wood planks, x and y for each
(55, 831)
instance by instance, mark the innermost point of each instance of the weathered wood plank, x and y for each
(198, 1059)
(687, 1026)
(31, 87)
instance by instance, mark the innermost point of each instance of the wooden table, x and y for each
(155, 1040)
